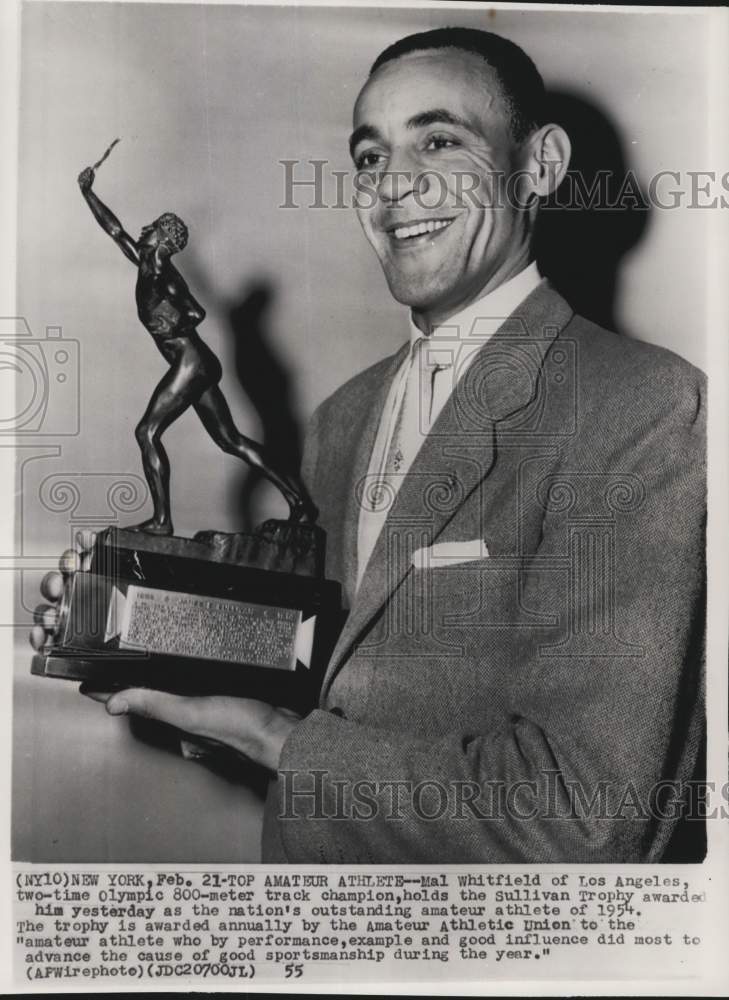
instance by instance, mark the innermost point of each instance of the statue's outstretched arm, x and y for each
(106, 218)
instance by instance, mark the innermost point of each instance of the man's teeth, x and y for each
(403, 232)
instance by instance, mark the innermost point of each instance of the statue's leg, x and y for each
(213, 410)
(169, 400)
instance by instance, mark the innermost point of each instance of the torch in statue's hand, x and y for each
(99, 162)
(86, 177)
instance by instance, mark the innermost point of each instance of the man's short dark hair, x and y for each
(522, 87)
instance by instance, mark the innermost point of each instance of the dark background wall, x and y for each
(207, 101)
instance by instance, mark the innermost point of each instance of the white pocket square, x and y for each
(450, 553)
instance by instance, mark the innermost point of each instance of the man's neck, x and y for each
(427, 320)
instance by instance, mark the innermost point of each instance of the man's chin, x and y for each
(420, 297)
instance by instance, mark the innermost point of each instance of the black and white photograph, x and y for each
(362, 358)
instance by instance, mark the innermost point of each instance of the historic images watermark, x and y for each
(315, 183)
(549, 795)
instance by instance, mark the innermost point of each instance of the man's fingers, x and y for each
(73, 561)
(52, 586)
(45, 622)
(70, 562)
(85, 540)
(38, 636)
(46, 615)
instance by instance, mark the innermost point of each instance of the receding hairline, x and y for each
(518, 80)
(481, 65)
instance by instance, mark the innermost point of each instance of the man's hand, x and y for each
(72, 561)
(252, 728)
(86, 178)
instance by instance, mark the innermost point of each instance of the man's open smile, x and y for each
(418, 232)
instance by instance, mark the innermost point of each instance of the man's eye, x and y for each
(441, 142)
(368, 160)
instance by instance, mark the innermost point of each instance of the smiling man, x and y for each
(441, 136)
(514, 503)
(514, 507)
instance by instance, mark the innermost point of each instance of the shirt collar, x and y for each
(482, 318)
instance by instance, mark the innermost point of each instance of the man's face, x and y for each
(431, 136)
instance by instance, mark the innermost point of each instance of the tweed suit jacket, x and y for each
(542, 702)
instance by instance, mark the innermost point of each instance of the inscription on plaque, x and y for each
(164, 621)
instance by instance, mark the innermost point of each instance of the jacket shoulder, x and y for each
(645, 381)
(356, 391)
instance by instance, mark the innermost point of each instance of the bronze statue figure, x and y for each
(169, 311)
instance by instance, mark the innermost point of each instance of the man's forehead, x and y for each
(444, 78)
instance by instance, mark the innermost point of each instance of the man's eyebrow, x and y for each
(434, 116)
(440, 116)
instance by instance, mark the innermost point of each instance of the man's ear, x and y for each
(546, 155)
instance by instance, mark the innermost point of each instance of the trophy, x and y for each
(245, 614)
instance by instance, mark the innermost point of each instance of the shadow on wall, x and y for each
(264, 380)
(267, 384)
(598, 214)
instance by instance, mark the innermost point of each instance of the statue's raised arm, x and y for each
(105, 217)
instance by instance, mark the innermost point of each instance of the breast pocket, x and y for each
(471, 594)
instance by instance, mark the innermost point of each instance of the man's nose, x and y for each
(403, 177)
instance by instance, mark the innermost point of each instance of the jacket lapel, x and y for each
(454, 460)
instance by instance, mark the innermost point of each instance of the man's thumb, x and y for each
(170, 708)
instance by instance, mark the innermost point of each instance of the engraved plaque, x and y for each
(203, 627)
(200, 616)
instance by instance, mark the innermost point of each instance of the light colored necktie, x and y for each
(427, 387)
(413, 417)
(410, 418)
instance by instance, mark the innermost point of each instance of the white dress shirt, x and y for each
(443, 360)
